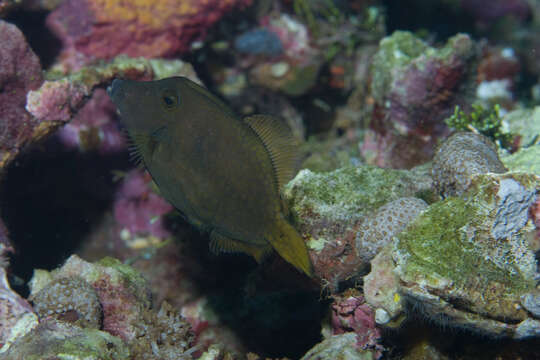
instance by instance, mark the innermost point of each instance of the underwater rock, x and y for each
(69, 299)
(6, 247)
(12, 309)
(122, 292)
(20, 71)
(93, 128)
(497, 73)
(125, 302)
(388, 220)
(53, 339)
(414, 88)
(526, 160)
(328, 209)
(465, 262)
(290, 79)
(381, 288)
(525, 123)
(139, 212)
(63, 98)
(343, 346)
(459, 158)
(105, 29)
(350, 313)
(259, 41)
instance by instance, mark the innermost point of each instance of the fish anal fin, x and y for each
(280, 143)
(221, 243)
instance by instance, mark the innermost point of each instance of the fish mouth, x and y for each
(113, 89)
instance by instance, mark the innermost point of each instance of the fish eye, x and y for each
(169, 99)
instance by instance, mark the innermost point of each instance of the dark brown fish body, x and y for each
(216, 168)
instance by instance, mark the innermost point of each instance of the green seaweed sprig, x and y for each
(487, 122)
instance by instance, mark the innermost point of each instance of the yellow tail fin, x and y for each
(290, 246)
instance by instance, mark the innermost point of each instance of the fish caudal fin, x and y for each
(220, 243)
(290, 246)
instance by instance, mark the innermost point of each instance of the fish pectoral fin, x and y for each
(221, 243)
(280, 144)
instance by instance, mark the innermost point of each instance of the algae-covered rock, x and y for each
(460, 157)
(329, 208)
(53, 339)
(466, 262)
(526, 160)
(413, 88)
(339, 347)
(525, 123)
(123, 308)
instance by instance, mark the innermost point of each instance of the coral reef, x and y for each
(390, 219)
(69, 299)
(329, 208)
(342, 346)
(414, 88)
(79, 102)
(459, 158)
(123, 305)
(105, 29)
(465, 262)
(20, 71)
(52, 339)
(13, 308)
(351, 313)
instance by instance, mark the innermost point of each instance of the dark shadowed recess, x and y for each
(51, 200)
(272, 308)
(42, 41)
(451, 343)
(441, 18)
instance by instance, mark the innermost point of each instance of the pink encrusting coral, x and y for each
(352, 314)
(94, 127)
(138, 210)
(414, 87)
(104, 29)
(20, 71)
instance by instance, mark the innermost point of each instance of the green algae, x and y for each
(451, 245)
(395, 51)
(349, 192)
(403, 49)
(486, 121)
(525, 160)
(57, 340)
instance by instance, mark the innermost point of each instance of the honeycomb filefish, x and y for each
(223, 173)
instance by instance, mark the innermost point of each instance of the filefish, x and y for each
(222, 172)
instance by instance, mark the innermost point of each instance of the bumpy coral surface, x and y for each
(389, 220)
(328, 209)
(104, 29)
(53, 339)
(122, 292)
(20, 71)
(69, 299)
(342, 346)
(459, 158)
(115, 298)
(466, 261)
(414, 88)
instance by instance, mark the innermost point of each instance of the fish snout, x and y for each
(113, 89)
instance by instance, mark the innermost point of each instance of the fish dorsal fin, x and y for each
(221, 243)
(280, 144)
